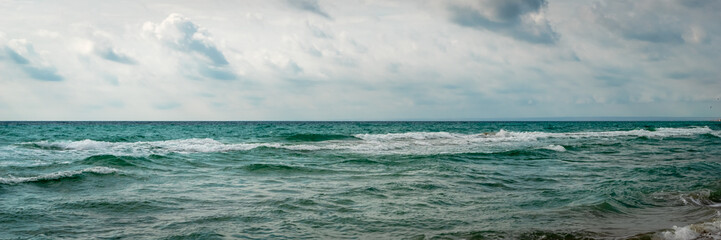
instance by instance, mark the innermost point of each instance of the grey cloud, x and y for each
(113, 55)
(507, 17)
(103, 48)
(513, 10)
(649, 21)
(179, 33)
(705, 4)
(655, 36)
(310, 6)
(217, 73)
(17, 58)
(613, 81)
(697, 76)
(647, 30)
(23, 54)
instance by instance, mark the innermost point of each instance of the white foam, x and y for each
(409, 135)
(390, 143)
(511, 136)
(557, 148)
(716, 133)
(706, 230)
(57, 175)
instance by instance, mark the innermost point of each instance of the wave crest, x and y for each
(56, 176)
(705, 230)
(393, 143)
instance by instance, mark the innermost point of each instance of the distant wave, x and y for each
(394, 143)
(56, 176)
(503, 135)
(312, 137)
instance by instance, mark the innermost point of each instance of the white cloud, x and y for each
(102, 46)
(47, 34)
(22, 53)
(179, 33)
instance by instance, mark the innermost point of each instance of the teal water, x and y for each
(360, 180)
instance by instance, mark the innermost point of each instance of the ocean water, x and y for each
(360, 180)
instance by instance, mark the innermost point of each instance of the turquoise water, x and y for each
(367, 180)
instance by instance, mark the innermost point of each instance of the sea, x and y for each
(360, 180)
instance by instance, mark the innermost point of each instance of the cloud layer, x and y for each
(359, 60)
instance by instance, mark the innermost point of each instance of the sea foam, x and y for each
(705, 230)
(57, 175)
(394, 143)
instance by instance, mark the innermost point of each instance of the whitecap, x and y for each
(705, 230)
(557, 148)
(57, 175)
(393, 143)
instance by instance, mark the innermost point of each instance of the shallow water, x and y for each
(371, 180)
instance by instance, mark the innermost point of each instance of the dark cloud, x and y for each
(310, 6)
(22, 53)
(513, 10)
(507, 17)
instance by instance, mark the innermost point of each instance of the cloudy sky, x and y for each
(358, 59)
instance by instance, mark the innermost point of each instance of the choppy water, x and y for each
(368, 180)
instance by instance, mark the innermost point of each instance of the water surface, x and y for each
(370, 180)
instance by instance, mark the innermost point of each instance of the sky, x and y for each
(358, 59)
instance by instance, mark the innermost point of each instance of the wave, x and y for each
(504, 135)
(704, 230)
(57, 176)
(111, 160)
(279, 168)
(391, 143)
(557, 148)
(311, 137)
(116, 205)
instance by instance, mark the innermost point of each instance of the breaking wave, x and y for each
(57, 176)
(704, 230)
(393, 143)
(503, 135)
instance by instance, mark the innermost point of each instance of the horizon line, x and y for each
(522, 119)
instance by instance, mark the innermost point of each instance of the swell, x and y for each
(283, 169)
(117, 205)
(113, 161)
(59, 176)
